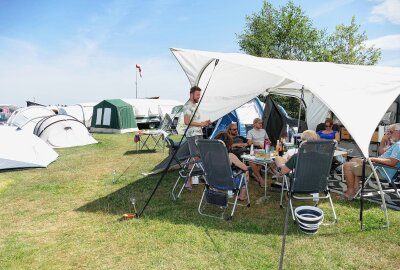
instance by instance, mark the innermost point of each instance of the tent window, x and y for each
(99, 116)
(107, 117)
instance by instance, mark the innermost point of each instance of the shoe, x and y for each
(345, 198)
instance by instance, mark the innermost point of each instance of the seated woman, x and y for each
(285, 165)
(328, 133)
(223, 136)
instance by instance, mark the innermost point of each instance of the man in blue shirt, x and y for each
(389, 151)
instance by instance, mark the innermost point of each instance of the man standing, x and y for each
(194, 130)
(389, 156)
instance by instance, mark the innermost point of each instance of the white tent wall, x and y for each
(358, 95)
(166, 106)
(317, 111)
(247, 112)
(82, 111)
(151, 110)
(20, 149)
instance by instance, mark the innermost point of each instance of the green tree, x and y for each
(285, 33)
(347, 46)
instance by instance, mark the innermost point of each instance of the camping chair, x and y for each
(394, 181)
(311, 174)
(219, 177)
(188, 167)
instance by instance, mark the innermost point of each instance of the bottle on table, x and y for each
(267, 145)
(280, 149)
(252, 150)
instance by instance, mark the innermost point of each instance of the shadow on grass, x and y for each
(267, 218)
(138, 152)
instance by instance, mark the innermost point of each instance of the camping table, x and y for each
(262, 162)
(142, 140)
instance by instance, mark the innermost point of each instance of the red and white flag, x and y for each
(140, 70)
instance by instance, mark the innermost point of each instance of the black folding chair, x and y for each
(220, 178)
(310, 176)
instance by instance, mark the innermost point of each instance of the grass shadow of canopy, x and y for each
(258, 219)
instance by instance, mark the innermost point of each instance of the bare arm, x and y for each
(337, 137)
(280, 163)
(385, 144)
(186, 120)
(385, 161)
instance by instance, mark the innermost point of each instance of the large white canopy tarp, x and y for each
(21, 149)
(358, 95)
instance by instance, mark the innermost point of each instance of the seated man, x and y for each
(256, 136)
(239, 143)
(389, 156)
(286, 165)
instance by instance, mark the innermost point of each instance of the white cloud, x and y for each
(389, 42)
(386, 10)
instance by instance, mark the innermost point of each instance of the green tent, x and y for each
(113, 116)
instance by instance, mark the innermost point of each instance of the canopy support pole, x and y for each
(180, 142)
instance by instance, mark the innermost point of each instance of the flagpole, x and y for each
(136, 81)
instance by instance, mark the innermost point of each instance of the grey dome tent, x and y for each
(113, 116)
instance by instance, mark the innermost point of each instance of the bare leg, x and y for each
(256, 170)
(352, 180)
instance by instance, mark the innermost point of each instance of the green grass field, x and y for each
(67, 217)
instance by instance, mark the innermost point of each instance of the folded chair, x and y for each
(188, 166)
(310, 176)
(220, 179)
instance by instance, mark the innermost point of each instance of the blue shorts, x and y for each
(237, 179)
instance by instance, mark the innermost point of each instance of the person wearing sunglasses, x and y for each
(239, 143)
(328, 133)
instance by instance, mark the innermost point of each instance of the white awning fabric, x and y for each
(358, 95)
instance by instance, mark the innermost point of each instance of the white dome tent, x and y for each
(20, 149)
(27, 118)
(61, 131)
(82, 111)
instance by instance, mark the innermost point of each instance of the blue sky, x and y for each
(67, 52)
